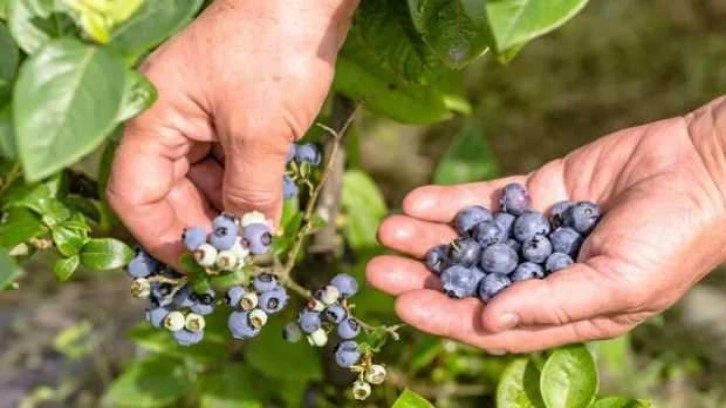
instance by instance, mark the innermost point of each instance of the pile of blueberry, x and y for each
(515, 244)
(298, 159)
(253, 304)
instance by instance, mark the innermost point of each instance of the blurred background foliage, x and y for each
(618, 64)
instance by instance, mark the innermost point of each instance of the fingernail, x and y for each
(497, 352)
(508, 321)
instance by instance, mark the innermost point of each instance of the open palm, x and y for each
(660, 234)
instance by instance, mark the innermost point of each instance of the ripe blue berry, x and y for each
(223, 237)
(488, 233)
(225, 220)
(436, 258)
(292, 333)
(582, 216)
(289, 188)
(347, 354)
(203, 302)
(566, 240)
(346, 284)
(492, 285)
(348, 328)
(334, 313)
(526, 271)
(557, 212)
(142, 265)
(529, 224)
(307, 153)
(264, 282)
(515, 199)
(240, 326)
(470, 217)
(187, 338)
(183, 297)
(505, 221)
(194, 237)
(234, 296)
(514, 244)
(557, 261)
(309, 321)
(161, 293)
(499, 258)
(537, 249)
(459, 281)
(274, 300)
(156, 316)
(465, 251)
(258, 238)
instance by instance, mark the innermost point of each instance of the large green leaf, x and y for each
(447, 28)
(469, 159)
(154, 382)
(7, 136)
(270, 354)
(569, 378)
(67, 100)
(10, 57)
(232, 387)
(409, 399)
(105, 253)
(18, 225)
(151, 24)
(513, 22)
(364, 207)
(9, 270)
(33, 23)
(519, 386)
(619, 402)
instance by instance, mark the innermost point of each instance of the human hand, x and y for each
(662, 187)
(242, 82)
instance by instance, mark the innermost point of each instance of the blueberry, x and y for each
(223, 238)
(206, 255)
(347, 354)
(174, 321)
(582, 216)
(436, 258)
(318, 338)
(257, 318)
(349, 328)
(157, 315)
(465, 251)
(240, 327)
(557, 212)
(194, 237)
(346, 284)
(529, 224)
(505, 221)
(537, 249)
(470, 217)
(194, 322)
(291, 153)
(183, 297)
(361, 390)
(203, 303)
(161, 293)
(227, 260)
(274, 300)
(308, 153)
(258, 238)
(234, 296)
(292, 333)
(459, 281)
(375, 374)
(142, 265)
(289, 188)
(328, 295)
(526, 271)
(499, 258)
(309, 321)
(187, 338)
(557, 261)
(264, 282)
(566, 240)
(334, 313)
(225, 220)
(488, 233)
(514, 244)
(492, 285)
(515, 199)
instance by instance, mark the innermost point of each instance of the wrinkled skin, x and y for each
(662, 187)
(243, 81)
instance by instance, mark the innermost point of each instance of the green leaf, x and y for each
(9, 270)
(151, 24)
(67, 100)
(64, 267)
(569, 378)
(270, 354)
(447, 28)
(519, 386)
(7, 135)
(232, 387)
(69, 240)
(364, 207)
(105, 253)
(19, 225)
(8, 63)
(212, 350)
(468, 159)
(409, 399)
(25, 23)
(154, 382)
(620, 402)
(513, 22)
(139, 95)
(3, 8)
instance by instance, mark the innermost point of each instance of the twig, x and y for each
(13, 174)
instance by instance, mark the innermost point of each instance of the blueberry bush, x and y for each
(229, 330)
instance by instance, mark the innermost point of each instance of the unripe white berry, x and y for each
(329, 295)
(361, 390)
(141, 288)
(249, 301)
(376, 374)
(258, 318)
(174, 321)
(315, 305)
(253, 217)
(194, 322)
(318, 338)
(240, 251)
(226, 260)
(206, 255)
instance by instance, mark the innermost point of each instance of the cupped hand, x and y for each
(662, 189)
(236, 88)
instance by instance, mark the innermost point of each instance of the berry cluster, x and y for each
(299, 160)
(515, 244)
(330, 311)
(253, 304)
